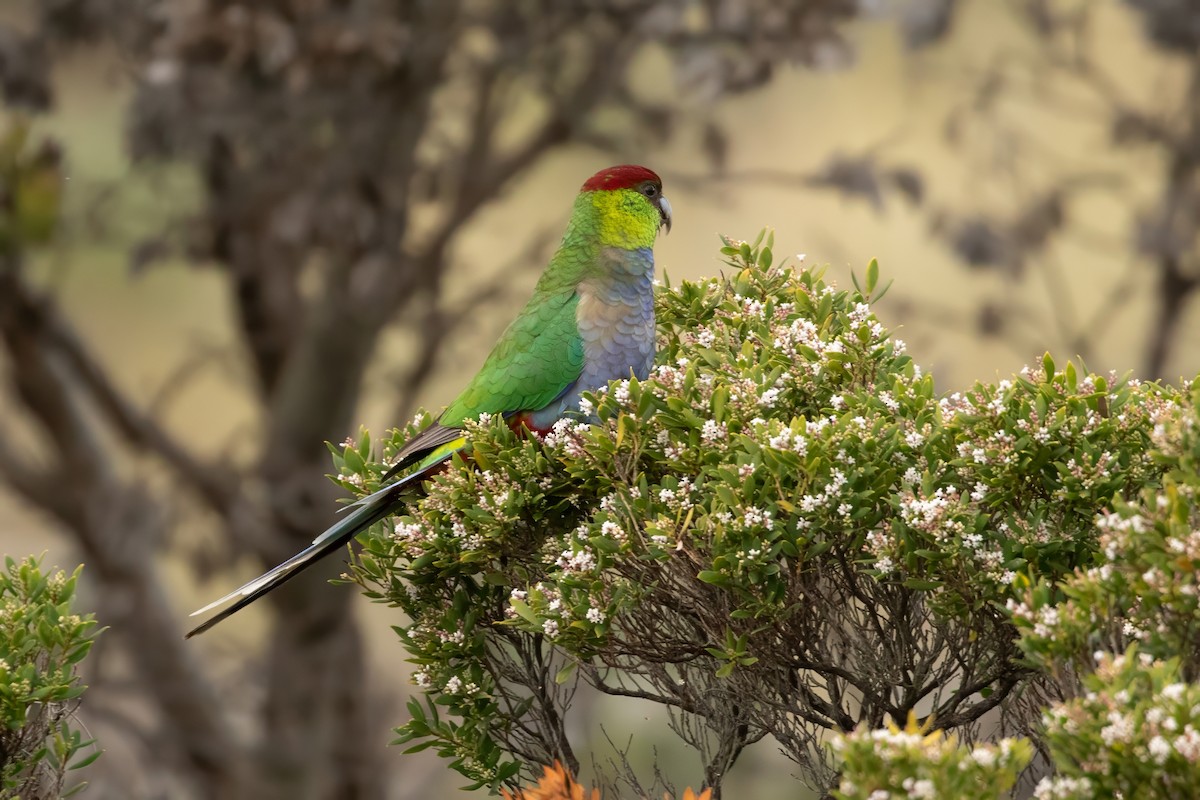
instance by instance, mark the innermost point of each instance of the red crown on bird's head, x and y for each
(626, 176)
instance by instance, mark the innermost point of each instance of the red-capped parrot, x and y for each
(590, 321)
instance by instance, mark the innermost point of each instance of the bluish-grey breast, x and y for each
(616, 323)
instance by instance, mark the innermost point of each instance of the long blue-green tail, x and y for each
(362, 515)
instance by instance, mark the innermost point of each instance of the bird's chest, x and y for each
(616, 325)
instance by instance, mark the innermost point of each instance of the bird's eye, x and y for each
(649, 190)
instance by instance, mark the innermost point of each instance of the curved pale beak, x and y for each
(664, 210)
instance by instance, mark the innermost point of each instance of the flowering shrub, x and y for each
(1134, 734)
(1144, 587)
(41, 642)
(782, 531)
(891, 763)
(1130, 626)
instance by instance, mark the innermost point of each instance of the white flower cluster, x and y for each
(677, 499)
(713, 432)
(918, 761)
(469, 539)
(567, 434)
(790, 338)
(494, 490)
(1043, 623)
(755, 518)
(792, 438)
(933, 515)
(408, 533)
(613, 531)
(882, 545)
(577, 559)
(1059, 787)
(922, 789)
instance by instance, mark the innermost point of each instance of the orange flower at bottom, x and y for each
(557, 784)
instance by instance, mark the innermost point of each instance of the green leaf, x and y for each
(564, 674)
(87, 760)
(872, 276)
(921, 585)
(524, 611)
(720, 397)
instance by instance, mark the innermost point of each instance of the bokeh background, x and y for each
(269, 223)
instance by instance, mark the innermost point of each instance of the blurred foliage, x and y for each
(42, 642)
(915, 763)
(781, 531)
(31, 185)
(1042, 216)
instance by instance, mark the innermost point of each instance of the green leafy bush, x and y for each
(782, 531)
(41, 643)
(1120, 638)
(909, 762)
(1134, 734)
(1144, 588)
(1128, 628)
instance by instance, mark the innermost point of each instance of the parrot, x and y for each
(590, 321)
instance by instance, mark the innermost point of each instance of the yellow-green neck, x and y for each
(622, 218)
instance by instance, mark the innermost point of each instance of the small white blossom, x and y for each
(1174, 691)
(713, 431)
(921, 789)
(768, 398)
(613, 531)
(1160, 749)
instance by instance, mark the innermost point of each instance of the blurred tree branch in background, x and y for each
(1066, 72)
(342, 146)
(1062, 71)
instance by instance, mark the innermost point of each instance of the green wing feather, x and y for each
(538, 357)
